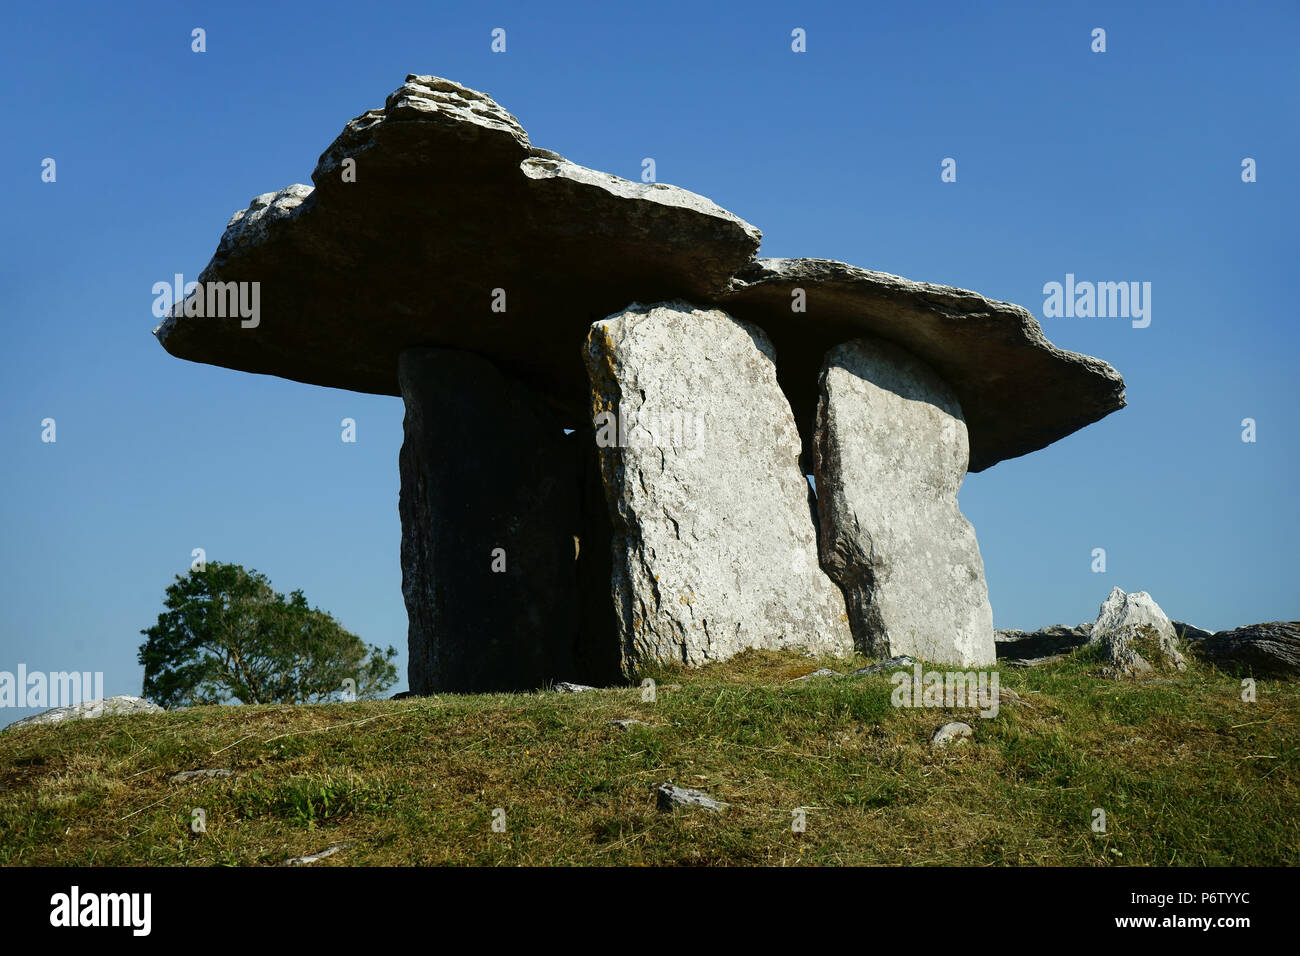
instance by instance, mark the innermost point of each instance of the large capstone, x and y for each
(891, 452)
(1018, 391)
(489, 511)
(434, 221)
(714, 547)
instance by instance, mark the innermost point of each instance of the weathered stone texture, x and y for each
(1018, 392)
(1135, 635)
(484, 466)
(1267, 650)
(451, 202)
(118, 706)
(714, 546)
(890, 455)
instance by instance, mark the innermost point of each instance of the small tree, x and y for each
(227, 635)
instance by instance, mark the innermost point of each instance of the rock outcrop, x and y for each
(890, 454)
(1026, 648)
(118, 706)
(1266, 650)
(1135, 635)
(714, 544)
(1190, 632)
(954, 732)
(1129, 622)
(489, 506)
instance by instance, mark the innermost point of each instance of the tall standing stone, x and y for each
(489, 511)
(597, 659)
(890, 455)
(714, 548)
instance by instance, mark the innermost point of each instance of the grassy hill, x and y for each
(1187, 773)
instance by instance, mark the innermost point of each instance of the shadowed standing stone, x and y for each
(714, 549)
(891, 452)
(484, 467)
(596, 656)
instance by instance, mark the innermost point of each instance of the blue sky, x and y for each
(1115, 166)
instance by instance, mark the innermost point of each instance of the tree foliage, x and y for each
(227, 635)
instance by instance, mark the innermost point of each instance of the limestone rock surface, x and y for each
(714, 548)
(1025, 647)
(890, 455)
(1136, 636)
(450, 204)
(1268, 650)
(1018, 392)
(89, 710)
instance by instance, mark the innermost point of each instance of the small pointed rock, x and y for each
(892, 664)
(671, 796)
(1135, 635)
(189, 776)
(316, 857)
(820, 672)
(955, 732)
(564, 687)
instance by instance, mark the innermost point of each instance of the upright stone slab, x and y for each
(597, 659)
(489, 512)
(891, 452)
(714, 548)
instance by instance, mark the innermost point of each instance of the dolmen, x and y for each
(612, 406)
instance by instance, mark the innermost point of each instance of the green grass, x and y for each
(1187, 773)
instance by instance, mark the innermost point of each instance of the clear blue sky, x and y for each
(1115, 166)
